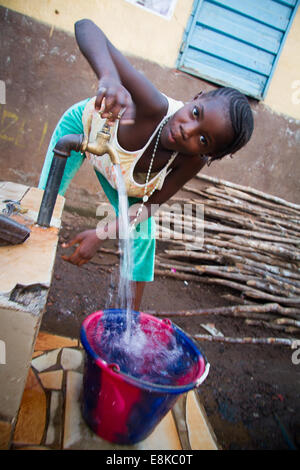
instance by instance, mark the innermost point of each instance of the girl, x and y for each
(162, 143)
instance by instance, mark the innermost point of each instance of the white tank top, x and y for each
(127, 158)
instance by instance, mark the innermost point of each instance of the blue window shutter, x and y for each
(236, 43)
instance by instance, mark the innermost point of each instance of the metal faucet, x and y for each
(101, 145)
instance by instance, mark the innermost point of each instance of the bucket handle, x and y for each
(203, 376)
(114, 367)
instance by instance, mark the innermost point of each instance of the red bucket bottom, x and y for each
(131, 382)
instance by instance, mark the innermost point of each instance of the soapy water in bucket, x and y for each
(153, 353)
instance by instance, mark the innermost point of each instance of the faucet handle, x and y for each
(106, 128)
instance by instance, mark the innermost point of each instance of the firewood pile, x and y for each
(251, 244)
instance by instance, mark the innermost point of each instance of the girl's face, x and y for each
(201, 127)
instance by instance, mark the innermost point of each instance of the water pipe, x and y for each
(62, 150)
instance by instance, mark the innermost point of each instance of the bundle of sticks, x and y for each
(250, 244)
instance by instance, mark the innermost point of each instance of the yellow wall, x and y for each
(283, 94)
(132, 29)
(146, 35)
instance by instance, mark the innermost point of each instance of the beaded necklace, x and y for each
(145, 197)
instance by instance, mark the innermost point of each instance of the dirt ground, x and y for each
(252, 393)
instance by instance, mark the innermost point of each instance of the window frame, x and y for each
(190, 27)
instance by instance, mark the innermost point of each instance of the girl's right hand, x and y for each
(117, 99)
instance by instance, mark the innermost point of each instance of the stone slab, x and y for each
(46, 341)
(201, 437)
(17, 330)
(78, 436)
(13, 191)
(31, 262)
(5, 435)
(31, 422)
(25, 278)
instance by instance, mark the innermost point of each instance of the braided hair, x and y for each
(241, 118)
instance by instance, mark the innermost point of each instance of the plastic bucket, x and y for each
(125, 395)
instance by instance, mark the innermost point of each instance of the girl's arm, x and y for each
(119, 81)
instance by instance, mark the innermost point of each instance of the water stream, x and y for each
(125, 296)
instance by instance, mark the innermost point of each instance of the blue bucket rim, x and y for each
(149, 386)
